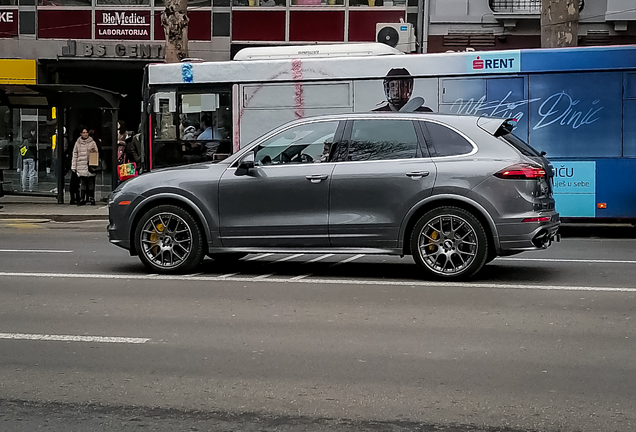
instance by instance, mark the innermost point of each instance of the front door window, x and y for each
(308, 143)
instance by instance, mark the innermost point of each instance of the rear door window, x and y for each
(443, 141)
(382, 139)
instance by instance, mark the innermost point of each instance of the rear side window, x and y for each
(445, 141)
(524, 148)
(382, 140)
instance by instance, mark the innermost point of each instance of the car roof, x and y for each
(388, 114)
(457, 120)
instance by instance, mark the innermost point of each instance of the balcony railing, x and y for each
(520, 6)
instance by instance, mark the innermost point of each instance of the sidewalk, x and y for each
(44, 208)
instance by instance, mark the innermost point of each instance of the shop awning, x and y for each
(15, 71)
(58, 95)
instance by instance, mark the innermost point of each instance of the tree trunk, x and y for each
(174, 20)
(559, 23)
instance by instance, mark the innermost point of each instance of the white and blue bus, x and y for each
(578, 105)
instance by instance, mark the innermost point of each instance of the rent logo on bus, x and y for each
(508, 62)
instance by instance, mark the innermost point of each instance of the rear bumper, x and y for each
(523, 236)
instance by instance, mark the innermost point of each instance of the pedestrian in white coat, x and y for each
(83, 147)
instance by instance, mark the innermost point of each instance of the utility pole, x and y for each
(423, 19)
(559, 23)
(174, 20)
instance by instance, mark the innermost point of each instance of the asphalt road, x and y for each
(90, 341)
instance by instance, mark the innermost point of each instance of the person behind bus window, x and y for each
(398, 88)
(209, 131)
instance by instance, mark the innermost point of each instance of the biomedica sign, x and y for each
(125, 25)
(120, 18)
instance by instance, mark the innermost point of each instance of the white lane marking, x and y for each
(414, 283)
(297, 278)
(320, 258)
(288, 258)
(594, 261)
(71, 338)
(259, 256)
(35, 251)
(228, 275)
(262, 276)
(353, 258)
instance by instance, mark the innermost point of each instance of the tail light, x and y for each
(521, 172)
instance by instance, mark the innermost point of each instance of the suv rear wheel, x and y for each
(168, 240)
(449, 243)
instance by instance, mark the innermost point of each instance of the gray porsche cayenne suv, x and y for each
(452, 191)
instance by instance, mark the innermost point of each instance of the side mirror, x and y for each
(245, 165)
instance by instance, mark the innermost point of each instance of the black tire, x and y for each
(227, 257)
(169, 240)
(449, 243)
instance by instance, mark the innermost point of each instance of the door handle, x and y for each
(317, 178)
(417, 174)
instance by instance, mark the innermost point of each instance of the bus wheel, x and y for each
(169, 240)
(449, 243)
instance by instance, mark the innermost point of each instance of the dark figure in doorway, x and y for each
(133, 149)
(122, 136)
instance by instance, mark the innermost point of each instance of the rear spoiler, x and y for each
(496, 126)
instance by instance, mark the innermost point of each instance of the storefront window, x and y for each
(83, 3)
(317, 2)
(123, 2)
(7, 148)
(192, 4)
(262, 3)
(371, 3)
(8, 2)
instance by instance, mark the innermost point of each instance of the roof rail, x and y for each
(316, 51)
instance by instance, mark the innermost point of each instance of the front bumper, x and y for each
(120, 219)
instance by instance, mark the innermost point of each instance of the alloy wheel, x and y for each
(447, 245)
(166, 240)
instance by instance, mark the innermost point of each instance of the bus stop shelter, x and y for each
(63, 97)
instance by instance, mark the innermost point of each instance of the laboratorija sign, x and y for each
(113, 24)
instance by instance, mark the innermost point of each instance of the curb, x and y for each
(54, 218)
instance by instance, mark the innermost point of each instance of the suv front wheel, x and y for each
(169, 240)
(449, 243)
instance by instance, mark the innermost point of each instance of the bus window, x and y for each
(205, 128)
(164, 111)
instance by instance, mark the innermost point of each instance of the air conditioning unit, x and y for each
(398, 35)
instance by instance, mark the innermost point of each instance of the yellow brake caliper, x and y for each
(154, 238)
(434, 236)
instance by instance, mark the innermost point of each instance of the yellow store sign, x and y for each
(18, 71)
